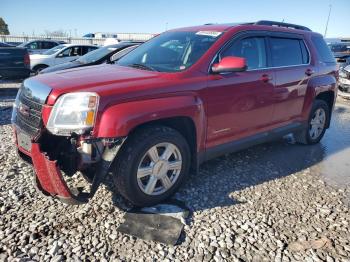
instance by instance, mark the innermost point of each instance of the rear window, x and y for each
(324, 53)
(288, 52)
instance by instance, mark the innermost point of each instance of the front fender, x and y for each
(118, 120)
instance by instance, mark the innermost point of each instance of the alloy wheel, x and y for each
(159, 168)
(317, 124)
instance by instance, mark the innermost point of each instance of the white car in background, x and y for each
(58, 55)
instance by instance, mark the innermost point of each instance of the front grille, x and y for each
(31, 121)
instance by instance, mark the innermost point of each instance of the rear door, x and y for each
(290, 59)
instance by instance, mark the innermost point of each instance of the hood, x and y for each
(106, 80)
(63, 66)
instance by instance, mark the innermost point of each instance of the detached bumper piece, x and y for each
(50, 182)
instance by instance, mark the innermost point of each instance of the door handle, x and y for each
(309, 72)
(266, 78)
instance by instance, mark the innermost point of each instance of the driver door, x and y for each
(240, 104)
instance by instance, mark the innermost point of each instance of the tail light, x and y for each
(26, 59)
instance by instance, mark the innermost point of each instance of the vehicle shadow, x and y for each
(219, 178)
(213, 185)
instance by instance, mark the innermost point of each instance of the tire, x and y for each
(304, 136)
(37, 69)
(135, 154)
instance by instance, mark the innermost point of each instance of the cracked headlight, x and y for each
(73, 113)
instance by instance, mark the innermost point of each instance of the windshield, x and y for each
(170, 51)
(340, 48)
(96, 54)
(54, 50)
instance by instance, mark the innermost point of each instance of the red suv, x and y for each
(183, 97)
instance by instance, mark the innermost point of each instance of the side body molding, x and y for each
(118, 120)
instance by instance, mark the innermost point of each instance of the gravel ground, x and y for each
(262, 204)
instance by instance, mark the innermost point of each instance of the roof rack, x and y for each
(280, 24)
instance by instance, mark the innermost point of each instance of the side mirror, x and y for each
(60, 55)
(230, 64)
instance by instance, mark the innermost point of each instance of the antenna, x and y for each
(329, 15)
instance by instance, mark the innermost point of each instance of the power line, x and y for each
(329, 15)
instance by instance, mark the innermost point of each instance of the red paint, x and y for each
(223, 107)
(229, 64)
(48, 173)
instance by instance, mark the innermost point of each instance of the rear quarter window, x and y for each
(324, 53)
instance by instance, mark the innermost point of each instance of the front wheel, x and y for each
(317, 124)
(151, 165)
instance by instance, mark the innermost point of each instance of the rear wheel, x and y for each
(37, 69)
(151, 165)
(317, 124)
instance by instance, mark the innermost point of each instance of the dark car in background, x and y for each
(105, 54)
(2, 44)
(341, 52)
(40, 46)
(14, 63)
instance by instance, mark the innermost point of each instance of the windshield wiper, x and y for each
(142, 66)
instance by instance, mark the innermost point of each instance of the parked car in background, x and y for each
(40, 46)
(341, 52)
(344, 82)
(14, 63)
(2, 44)
(58, 55)
(181, 98)
(106, 54)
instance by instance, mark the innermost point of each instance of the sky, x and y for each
(155, 16)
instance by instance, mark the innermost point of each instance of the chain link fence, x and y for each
(76, 40)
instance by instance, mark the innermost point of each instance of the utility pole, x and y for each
(329, 15)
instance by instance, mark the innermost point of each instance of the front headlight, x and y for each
(73, 113)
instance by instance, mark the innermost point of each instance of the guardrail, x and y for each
(76, 40)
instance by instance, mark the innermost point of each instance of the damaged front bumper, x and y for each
(50, 181)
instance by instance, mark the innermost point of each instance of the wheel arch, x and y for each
(182, 124)
(322, 88)
(40, 65)
(182, 113)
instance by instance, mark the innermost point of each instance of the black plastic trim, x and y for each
(246, 142)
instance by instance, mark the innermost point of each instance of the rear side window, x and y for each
(324, 53)
(252, 49)
(48, 45)
(87, 49)
(288, 52)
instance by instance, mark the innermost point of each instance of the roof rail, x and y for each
(280, 24)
